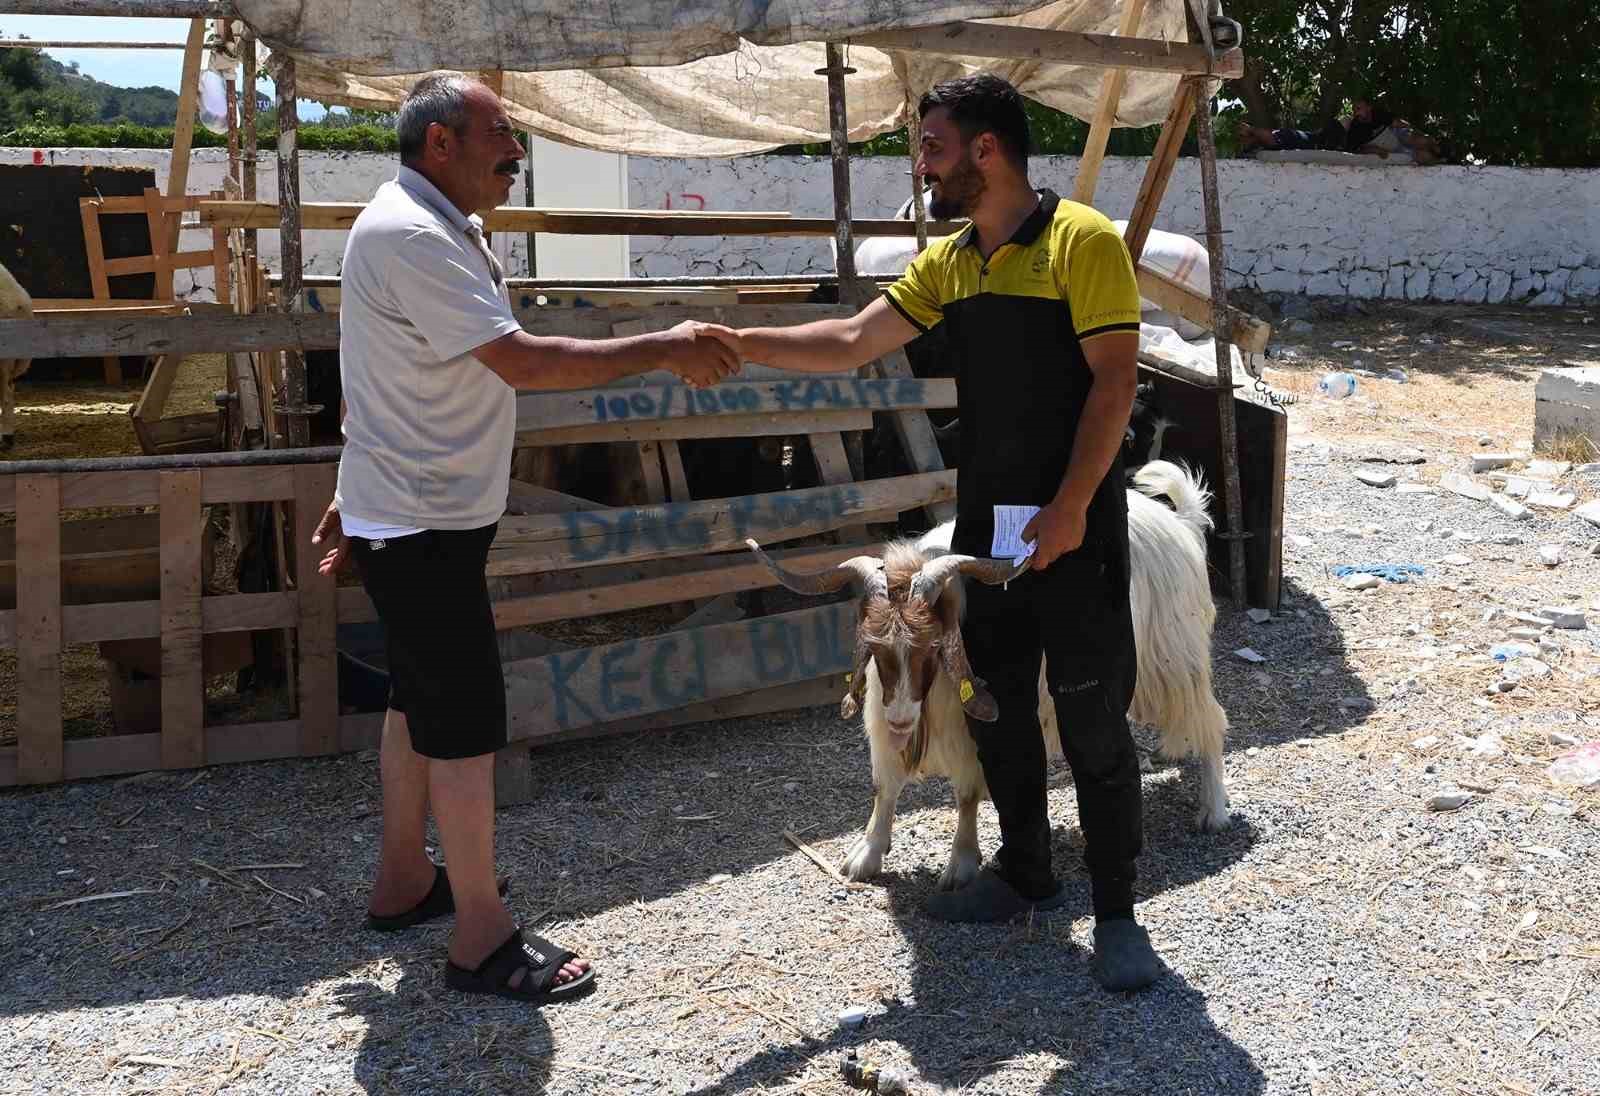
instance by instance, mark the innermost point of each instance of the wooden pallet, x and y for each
(164, 215)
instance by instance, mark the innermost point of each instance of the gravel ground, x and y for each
(1339, 938)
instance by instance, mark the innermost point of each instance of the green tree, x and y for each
(1498, 83)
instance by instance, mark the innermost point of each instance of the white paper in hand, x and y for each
(1009, 522)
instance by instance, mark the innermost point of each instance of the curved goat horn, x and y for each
(930, 582)
(868, 570)
(856, 679)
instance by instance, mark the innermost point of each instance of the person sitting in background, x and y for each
(1367, 130)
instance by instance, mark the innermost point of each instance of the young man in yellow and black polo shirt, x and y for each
(1040, 304)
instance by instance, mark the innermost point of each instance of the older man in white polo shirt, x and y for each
(430, 358)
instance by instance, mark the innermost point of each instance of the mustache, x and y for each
(507, 165)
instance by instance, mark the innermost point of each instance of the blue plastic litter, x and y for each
(1389, 572)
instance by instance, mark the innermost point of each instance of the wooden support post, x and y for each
(183, 128)
(833, 468)
(247, 121)
(1159, 168)
(230, 94)
(1227, 426)
(513, 775)
(919, 209)
(161, 242)
(183, 703)
(843, 233)
(319, 616)
(99, 283)
(221, 266)
(655, 485)
(677, 476)
(293, 299)
(1105, 113)
(39, 749)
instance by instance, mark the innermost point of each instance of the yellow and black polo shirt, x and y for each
(1016, 322)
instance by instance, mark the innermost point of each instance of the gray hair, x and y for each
(438, 97)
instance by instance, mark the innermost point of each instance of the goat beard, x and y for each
(915, 750)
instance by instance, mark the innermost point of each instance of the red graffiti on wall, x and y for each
(698, 200)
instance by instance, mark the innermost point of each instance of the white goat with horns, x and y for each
(15, 304)
(911, 667)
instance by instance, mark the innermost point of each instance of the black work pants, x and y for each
(1076, 614)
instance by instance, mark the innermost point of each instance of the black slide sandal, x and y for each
(438, 902)
(541, 960)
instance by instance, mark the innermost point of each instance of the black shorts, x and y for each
(444, 661)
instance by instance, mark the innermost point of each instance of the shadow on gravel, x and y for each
(418, 1042)
(611, 823)
(1306, 688)
(985, 996)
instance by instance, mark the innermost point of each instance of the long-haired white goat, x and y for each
(15, 304)
(912, 671)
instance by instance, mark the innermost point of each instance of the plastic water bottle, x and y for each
(1337, 385)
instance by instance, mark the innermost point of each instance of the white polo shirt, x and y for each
(428, 429)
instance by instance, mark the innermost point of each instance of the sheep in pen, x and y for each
(910, 622)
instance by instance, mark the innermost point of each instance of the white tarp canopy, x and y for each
(687, 77)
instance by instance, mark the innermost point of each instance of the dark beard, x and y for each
(958, 193)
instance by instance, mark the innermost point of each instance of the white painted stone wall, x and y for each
(1446, 233)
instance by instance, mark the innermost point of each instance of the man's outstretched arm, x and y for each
(829, 346)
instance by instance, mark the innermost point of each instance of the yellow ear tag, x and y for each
(966, 692)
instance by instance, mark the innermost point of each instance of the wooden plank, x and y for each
(90, 490)
(655, 484)
(325, 298)
(157, 388)
(63, 306)
(161, 247)
(130, 203)
(780, 698)
(1158, 169)
(1014, 43)
(339, 216)
(197, 433)
(833, 467)
(148, 264)
(89, 210)
(116, 620)
(585, 538)
(183, 127)
(513, 776)
(677, 475)
(227, 745)
(183, 707)
(700, 578)
(595, 406)
(706, 426)
(262, 483)
(80, 336)
(913, 429)
(561, 692)
(1249, 334)
(39, 750)
(318, 623)
(94, 249)
(1105, 112)
(220, 264)
(530, 498)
